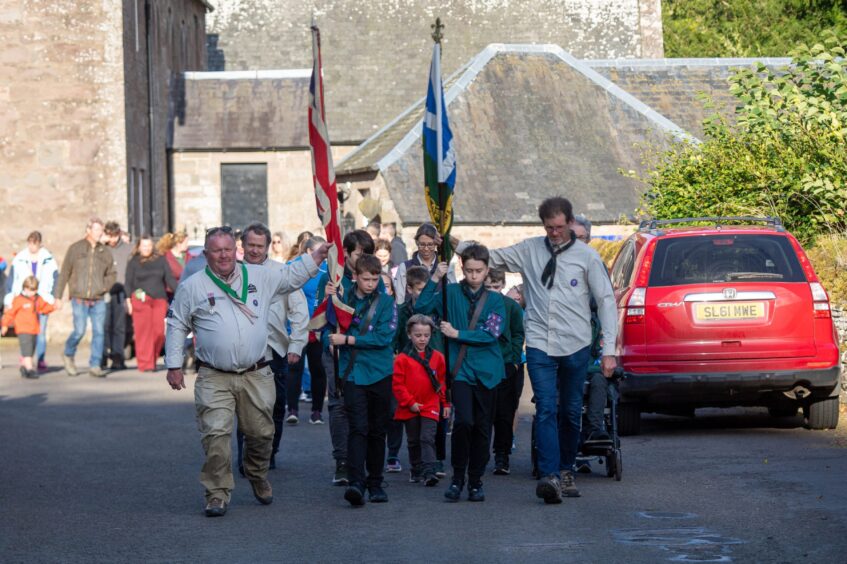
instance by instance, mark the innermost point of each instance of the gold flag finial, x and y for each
(437, 36)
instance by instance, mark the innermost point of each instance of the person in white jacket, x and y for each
(34, 261)
(288, 322)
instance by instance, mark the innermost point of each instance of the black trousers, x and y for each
(420, 434)
(115, 329)
(368, 412)
(295, 377)
(505, 407)
(473, 406)
(441, 439)
(314, 352)
(394, 432)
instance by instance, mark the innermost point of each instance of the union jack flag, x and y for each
(326, 191)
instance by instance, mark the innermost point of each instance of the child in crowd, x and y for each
(416, 278)
(419, 387)
(508, 394)
(365, 365)
(474, 322)
(23, 316)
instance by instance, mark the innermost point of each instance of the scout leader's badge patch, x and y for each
(251, 289)
(211, 297)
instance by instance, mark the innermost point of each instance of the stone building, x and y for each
(84, 91)
(84, 88)
(528, 121)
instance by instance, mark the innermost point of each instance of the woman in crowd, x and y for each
(173, 247)
(426, 256)
(148, 277)
(279, 244)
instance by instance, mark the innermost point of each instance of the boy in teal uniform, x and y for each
(365, 363)
(508, 394)
(473, 324)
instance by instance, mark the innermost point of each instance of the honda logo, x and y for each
(729, 293)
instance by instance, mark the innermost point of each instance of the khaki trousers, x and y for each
(217, 397)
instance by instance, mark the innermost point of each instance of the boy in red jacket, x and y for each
(419, 386)
(23, 315)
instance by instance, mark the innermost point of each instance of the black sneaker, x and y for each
(430, 480)
(501, 465)
(475, 492)
(24, 373)
(377, 495)
(454, 492)
(32, 374)
(340, 478)
(415, 475)
(598, 438)
(354, 496)
(549, 489)
(439, 469)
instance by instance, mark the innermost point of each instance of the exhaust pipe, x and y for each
(798, 393)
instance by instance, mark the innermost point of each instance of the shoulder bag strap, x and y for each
(364, 330)
(463, 350)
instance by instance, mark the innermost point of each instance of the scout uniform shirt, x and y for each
(483, 362)
(512, 338)
(374, 357)
(404, 312)
(225, 338)
(558, 320)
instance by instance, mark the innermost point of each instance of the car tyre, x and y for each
(629, 419)
(823, 414)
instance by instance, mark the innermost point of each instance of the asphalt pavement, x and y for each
(106, 470)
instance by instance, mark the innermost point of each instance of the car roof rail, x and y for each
(654, 224)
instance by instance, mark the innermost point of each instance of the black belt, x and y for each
(258, 366)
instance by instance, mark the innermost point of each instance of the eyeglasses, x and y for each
(427, 246)
(221, 229)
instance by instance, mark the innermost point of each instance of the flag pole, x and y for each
(437, 36)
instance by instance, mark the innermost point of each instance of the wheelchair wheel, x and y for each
(611, 464)
(618, 465)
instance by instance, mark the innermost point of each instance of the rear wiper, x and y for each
(749, 275)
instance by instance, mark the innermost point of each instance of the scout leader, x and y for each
(227, 308)
(473, 324)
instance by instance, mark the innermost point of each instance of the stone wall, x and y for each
(376, 54)
(291, 199)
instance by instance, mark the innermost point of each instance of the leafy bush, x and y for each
(784, 156)
(829, 257)
(608, 249)
(746, 28)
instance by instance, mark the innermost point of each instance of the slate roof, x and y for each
(376, 53)
(672, 86)
(256, 110)
(529, 121)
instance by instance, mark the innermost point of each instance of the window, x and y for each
(244, 193)
(622, 270)
(724, 258)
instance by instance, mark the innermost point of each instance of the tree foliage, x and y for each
(784, 154)
(747, 28)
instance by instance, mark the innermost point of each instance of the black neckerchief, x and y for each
(550, 270)
(472, 297)
(413, 353)
(355, 301)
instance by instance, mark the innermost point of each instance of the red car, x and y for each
(724, 315)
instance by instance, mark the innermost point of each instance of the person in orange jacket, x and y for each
(23, 316)
(420, 388)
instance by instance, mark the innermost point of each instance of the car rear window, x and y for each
(724, 258)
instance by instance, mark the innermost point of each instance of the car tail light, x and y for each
(646, 264)
(635, 306)
(821, 301)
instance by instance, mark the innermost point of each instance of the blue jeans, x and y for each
(41, 342)
(557, 382)
(97, 313)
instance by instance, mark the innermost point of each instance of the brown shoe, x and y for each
(567, 484)
(262, 491)
(216, 507)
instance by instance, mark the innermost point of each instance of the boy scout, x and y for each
(474, 321)
(365, 364)
(227, 309)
